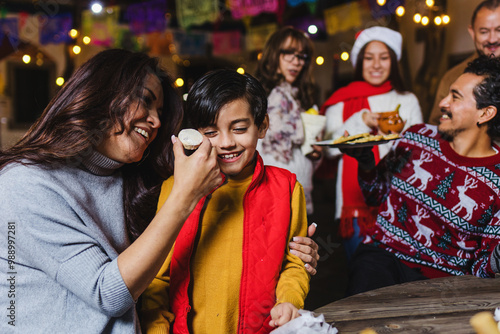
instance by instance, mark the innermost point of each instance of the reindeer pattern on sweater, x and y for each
(440, 211)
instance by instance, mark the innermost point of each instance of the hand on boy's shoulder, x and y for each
(283, 313)
(306, 249)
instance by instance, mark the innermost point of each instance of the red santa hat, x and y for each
(385, 35)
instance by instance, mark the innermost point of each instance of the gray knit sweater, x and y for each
(62, 230)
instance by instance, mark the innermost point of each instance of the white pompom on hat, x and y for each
(391, 38)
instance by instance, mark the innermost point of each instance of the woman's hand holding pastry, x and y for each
(196, 175)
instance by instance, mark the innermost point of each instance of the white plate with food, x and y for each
(359, 140)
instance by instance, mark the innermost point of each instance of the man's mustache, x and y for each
(489, 45)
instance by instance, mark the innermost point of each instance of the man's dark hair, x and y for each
(487, 91)
(489, 4)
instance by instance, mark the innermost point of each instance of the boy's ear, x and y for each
(263, 127)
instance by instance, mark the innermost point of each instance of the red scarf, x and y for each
(355, 97)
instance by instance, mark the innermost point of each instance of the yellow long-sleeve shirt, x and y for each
(217, 263)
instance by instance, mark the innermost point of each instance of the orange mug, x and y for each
(390, 121)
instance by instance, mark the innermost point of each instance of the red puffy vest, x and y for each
(267, 208)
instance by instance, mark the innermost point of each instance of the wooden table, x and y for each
(441, 305)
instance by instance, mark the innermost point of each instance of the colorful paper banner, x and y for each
(158, 43)
(101, 28)
(295, 3)
(240, 8)
(343, 17)
(29, 28)
(191, 43)
(196, 12)
(55, 29)
(9, 31)
(256, 36)
(226, 42)
(147, 16)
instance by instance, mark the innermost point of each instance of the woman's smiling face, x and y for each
(142, 121)
(376, 63)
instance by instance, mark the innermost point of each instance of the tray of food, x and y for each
(359, 140)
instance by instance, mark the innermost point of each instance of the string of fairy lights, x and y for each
(424, 12)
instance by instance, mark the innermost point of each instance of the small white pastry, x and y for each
(190, 138)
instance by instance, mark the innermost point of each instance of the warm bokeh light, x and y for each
(446, 19)
(429, 3)
(381, 2)
(417, 18)
(179, 82)
(39, 62)
(425, 20)
(73, 33)
(320, 60)
(259, 56)
(344, 56)
(438, 20)
(184, 97)
(400, 11)
(86, 40)
(312, 29)
(26, 59)
(76, 49)
(186, 63)
(240, 70)
(60, 81)
(96, 7)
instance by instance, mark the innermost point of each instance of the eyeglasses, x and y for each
(289, 55)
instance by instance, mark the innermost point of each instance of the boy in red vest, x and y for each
(231, 270)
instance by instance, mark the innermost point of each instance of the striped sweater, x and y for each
(439, 210)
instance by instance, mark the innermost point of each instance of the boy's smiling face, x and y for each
(235, 136)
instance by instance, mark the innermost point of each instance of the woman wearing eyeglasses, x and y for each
(285, 72)
(355, 108)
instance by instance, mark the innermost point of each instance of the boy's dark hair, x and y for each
(486, 92)
(489, 4)
(218, 88)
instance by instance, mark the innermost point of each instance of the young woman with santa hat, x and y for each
(377, 87)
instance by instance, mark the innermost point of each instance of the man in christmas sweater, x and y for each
(439, 190)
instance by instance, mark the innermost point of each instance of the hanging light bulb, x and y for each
(417, 18)
(73, 33)
(400, 11)
(438, 20)
(96, 7)
(312, 29)
(446, 19)
(425, 20)
(429, 3)
(381, 2)
(344, 56)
